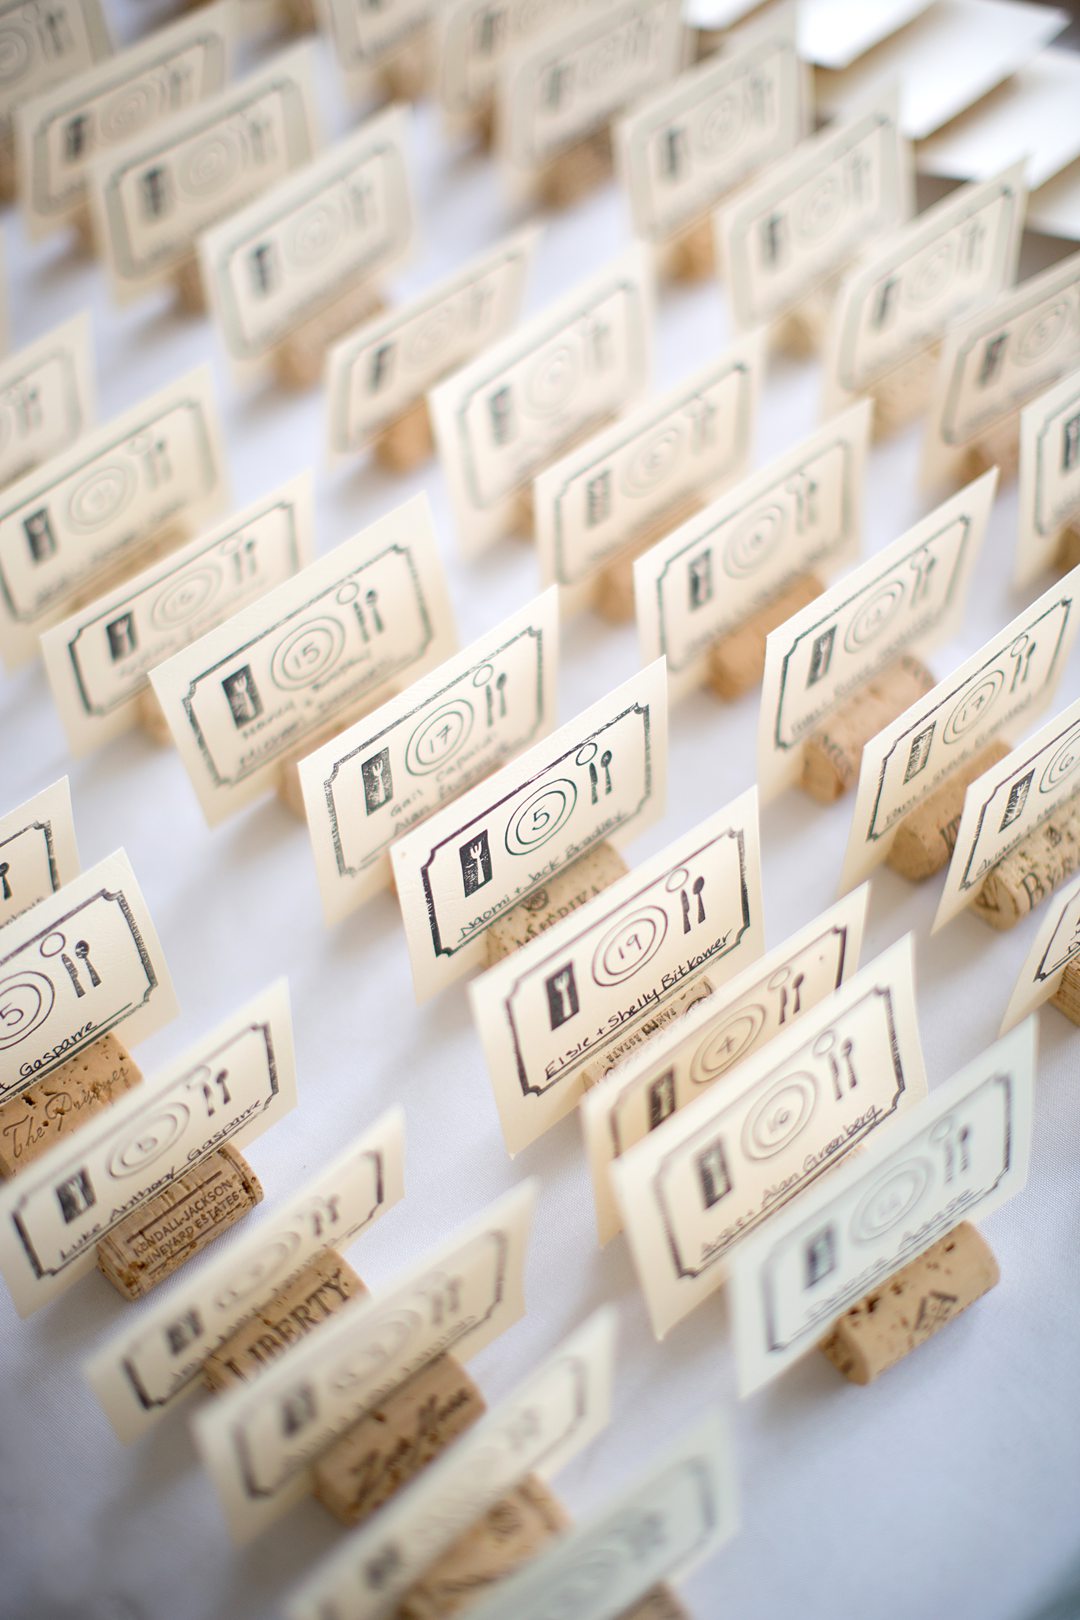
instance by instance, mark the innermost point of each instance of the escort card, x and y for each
(1056, 945)
(566, 84)
(99, 660)
(386, 366)
(998, 360)
(510, 411)
(1008, 802)
(681, 1060)
(906, 598)
(547, 1420)
(365, 36)
(258, 1439)
(157, 471)
(156, 193)
(952, 259)
(45, 48)
(601, 776)
(790, 231)
(1014, 674)
(1049, 477)
(143, 1371)
(802, 512)
(47, 398)
(59, 133)
(38, 854)
(345, 631)
(472, 41)
(961, 1153)
(592, 503)
(347, 217)
(76, 965)
(555, 1007)
(695, 1187)
(226, 1089)
(681, 150)
(391, 770)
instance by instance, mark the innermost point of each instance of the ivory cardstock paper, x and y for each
(367, 787)
(693, 1189)
(801, 513)
(38, 852)
(959, 1155)
(365, 36)
(472, 41)
(226, 1089)
(693, 1052)
(153, 196)
(680, 150)
(905, 599)
(515, 407)
(385, 367)
(99, 660)
(151, 476)
(258, 1439)
(344, 218)
(47, 398)
(692, 441)
(796, 226)
(556, 1411)
(59, 133)
(952, 259)
(835, 33)
(144, 1370)
(557, 1006)
(352, 627)
(996, 361)
(1049, 477)
(79, 963)
(602, 776)
(1013, 676)
(46, 48)
(1055, 947)
(1030, 112)
(1008, 802)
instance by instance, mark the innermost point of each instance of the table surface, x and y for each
(948, 1488)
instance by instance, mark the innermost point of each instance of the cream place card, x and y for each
(693, 440)
(996, 361)
(46, 46)
(369, 786)
(345, 632)
(795, 227)
(366, 36)
(258, 1439)
(346, 218)
(1013, 676)
(38, 854)
(153, 196)
(1056, 945)
(472, 41)
(693, 1189)
(565, 1000)
(386, 366)
(99, 660)
(682, 149)
(567, 83)
(906, 598)
(144, 1370)
(151, 476)
(58, 134)
(835, 33)
(226, 1089)
(1049, 477)
(552, 1415)
(1031, 112)
(801, 513)
(563, 374)
(1009, 801)
(952, 259)
(678, 1512)
(600, 777)
(79, 963)
(690, 1054)
(960, 1154)
(47, 398)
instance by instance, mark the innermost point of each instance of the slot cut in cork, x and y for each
(832, 756)
(613, 591)
(567, 891)
(926, 837)
(1029, 874)
(736, 662)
